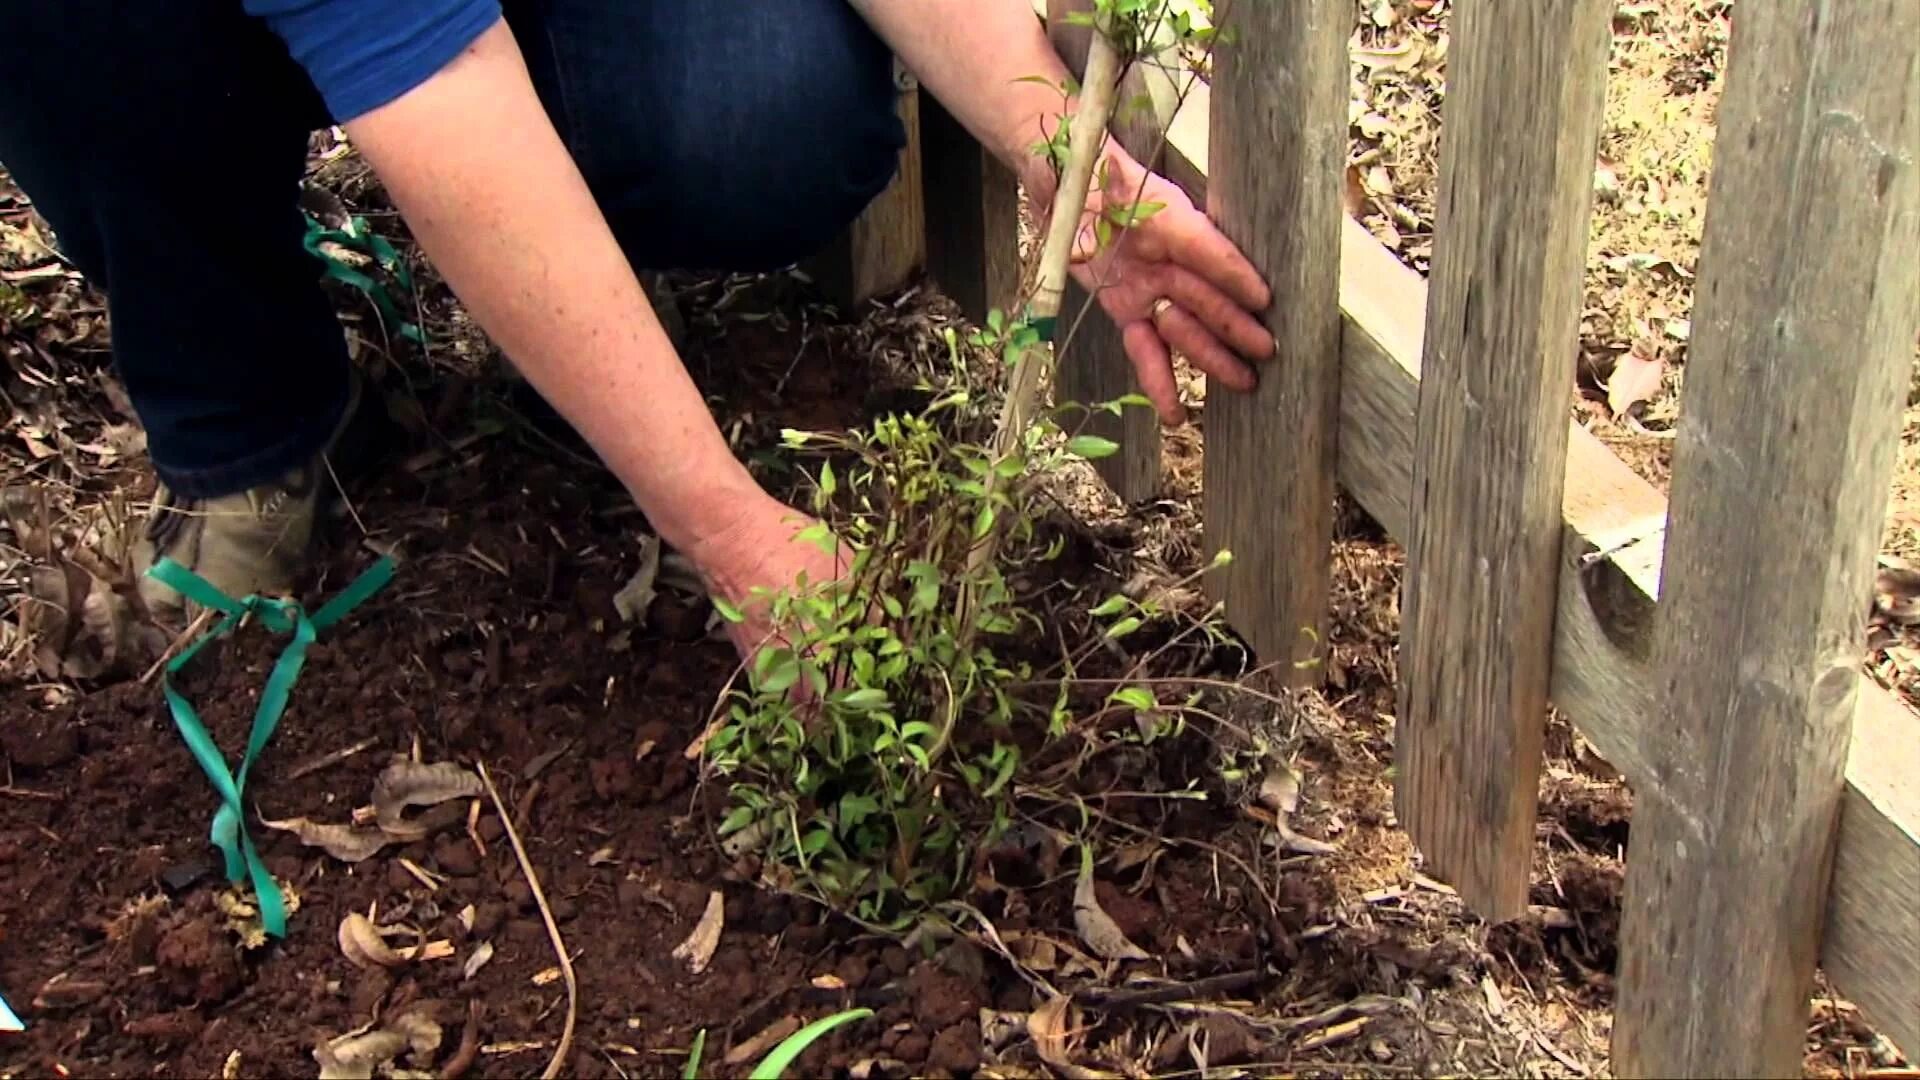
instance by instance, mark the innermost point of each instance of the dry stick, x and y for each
(192, 631)
(1069, 202)
(553, 931)
(1030, 374)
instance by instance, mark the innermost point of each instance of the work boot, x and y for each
(251, 542)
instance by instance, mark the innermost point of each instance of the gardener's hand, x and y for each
(759, 548)
(1174, 283)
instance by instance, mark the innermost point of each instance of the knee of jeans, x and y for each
(771, 176)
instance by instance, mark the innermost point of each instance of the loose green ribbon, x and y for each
(360, 237)
(281, 616)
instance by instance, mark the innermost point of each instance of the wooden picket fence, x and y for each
(1777, 789)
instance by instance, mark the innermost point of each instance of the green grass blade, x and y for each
(693, 1056)
(775, 1064)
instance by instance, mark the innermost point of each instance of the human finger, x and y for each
(1228, 321)
(1153, 368)
(1193, 243)
(1179, 329)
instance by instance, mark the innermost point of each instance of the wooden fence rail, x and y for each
(1777, 788)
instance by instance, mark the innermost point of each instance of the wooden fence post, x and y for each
(1808, 298)
(1526, 84)
(1094, 365)
(1278, 143)
(972, 208)
(887, 243)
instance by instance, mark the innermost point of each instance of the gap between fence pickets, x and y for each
(1614, 525)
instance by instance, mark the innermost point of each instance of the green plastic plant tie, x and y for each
(1044, 325)
(362, 238)
(229, 832)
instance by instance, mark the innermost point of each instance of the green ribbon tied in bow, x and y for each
(359, 236)
(229, 832)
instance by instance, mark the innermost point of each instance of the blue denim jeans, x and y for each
(164, 143)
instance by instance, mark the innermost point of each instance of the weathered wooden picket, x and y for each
(1709, 649)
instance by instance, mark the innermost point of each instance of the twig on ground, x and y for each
(553, 930)
(342, 490)
(1125, 997)
(327, 760)
(192, 631)
(29, 793)
(469, 1051)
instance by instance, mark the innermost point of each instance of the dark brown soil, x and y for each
(497, 643)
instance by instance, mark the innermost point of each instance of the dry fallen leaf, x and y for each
(343, 842)
(1635, 379)
(1096, 927)
(1280, 792)
(697, 951)
(546, 976)
(83, 628)
(362, 944)
(1896, 592)
(412, 783)
(636, 596)
(482, 953)
(1049, 1026)
(354, 1057)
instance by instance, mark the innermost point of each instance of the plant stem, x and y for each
(1032, 371)
(1089, 134)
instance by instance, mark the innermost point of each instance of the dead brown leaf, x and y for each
(697, 951)
(1280, 792)
(355, 1056)
(1896, 592)
(1095, 926)
(636, 596)
(413, 783)
(343, 842)
(361, 943)
(1049, 1027)
(1635, 379)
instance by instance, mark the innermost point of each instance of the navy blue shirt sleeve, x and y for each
(362, 54)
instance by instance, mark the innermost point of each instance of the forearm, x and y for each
(492, 196)
(972, 55)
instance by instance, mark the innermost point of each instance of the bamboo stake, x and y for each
(1031, 372)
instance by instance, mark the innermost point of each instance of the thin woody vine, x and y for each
(873, 744)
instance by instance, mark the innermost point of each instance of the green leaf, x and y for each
(1092, 446)
(819, 536)
(1137, 696)
(855, 808)
(1124, 627)
(983, 521)
(728, 611)
(1112, 605)
(864, 699)
(827, 483)
(693, 1055)
(781, 671)
(740, 818)
(774, 1065)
